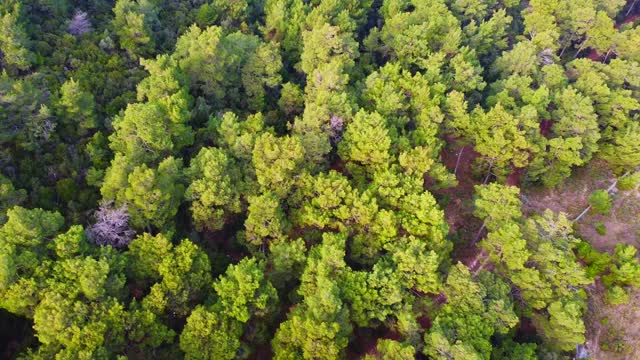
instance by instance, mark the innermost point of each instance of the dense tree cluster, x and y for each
(221, 179)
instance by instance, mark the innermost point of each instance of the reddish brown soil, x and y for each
(425, 322)
(515, 177)
(136, 292)
(593, 55)
(526, 331)
(545, 128)
(628, 20)
(262, 352)
(222, 241)
(364, 341)
(338, 165)
(459, 209)
(440, 299)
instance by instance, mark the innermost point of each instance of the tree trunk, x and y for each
(481, 266)
(455, 171)
(582, 213)
(580, 49)
(488, 173)
(566, 46)
(606, 56)
(477, 237)
(613, 185)
(631, 8)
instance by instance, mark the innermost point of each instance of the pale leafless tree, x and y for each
(79, 24)
(337, 127)
(111, 226)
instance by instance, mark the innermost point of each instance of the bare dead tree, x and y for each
(337, 127)
(545, 57)
(111, 226)
(79, 24)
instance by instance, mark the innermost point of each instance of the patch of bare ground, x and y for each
(457, 201)
(459, 206)
(571, 196)
(622, 224)
(613, 332)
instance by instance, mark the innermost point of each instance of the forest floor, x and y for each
(622, 224)
(458, 202)
(613, 332)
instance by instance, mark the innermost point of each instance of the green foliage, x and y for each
(154, 195)
(597, 262)
(266, 221)
(325, 45)
(75, 329)
(319, 327)
(186, 274)
(212, 190)
(473, 313)
(622, 152)
(499, 140)
(629, 182)
(9, 197)
(261, 71)
(392, 350)
(77, 107)
(276, 160)
(506, 247)
(625, 267)
(419, 34)
(366, 141)
(70, 244)
(513, 350)
(141, 136)
(243, 292)
(416, 265)
(210, 335)
(14, 41)
(287, 261)
(132, 24)
(145, 254)
(30, 227)
(616, 295)
(230, 69)
(239, 136)
(564, 328)
(497, 204)
(600, 202)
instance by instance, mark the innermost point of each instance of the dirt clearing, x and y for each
(622, 225)
(613, 332)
